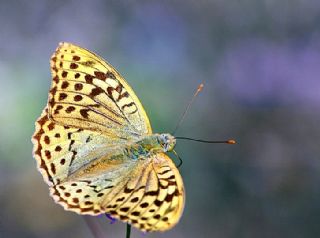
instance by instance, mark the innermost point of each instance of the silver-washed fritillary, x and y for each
(94, 146)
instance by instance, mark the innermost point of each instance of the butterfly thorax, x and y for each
(151, 144)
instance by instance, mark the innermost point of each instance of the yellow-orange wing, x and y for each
(88, 93)
(148, 194)
(91, 111)
(91, 116)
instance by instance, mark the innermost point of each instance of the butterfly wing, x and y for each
(92, 114)
(89, 93)
(148, 194)
(91, 110)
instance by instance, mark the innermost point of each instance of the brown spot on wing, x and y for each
(56, 79)
(78, 86)
(86, 209)
(76, 58)
(128, 190)
(53, 90)
(100, 75)
(62, 96)
(77, 75)
(124, 209)
(152, 193)
(135, 213)
(64, 85)
(96, 91)
(64, 74)
(77, 98)
(144, 205)
(88, 78)
(53, 168)
(109, 91)
(73, 66)
(165, 219)
(58, 108)
(75, 200)
(58, 148)
(51, 126)
(123, 95)
(47, 154)
(54, 69)
(47, 140)
(84, 113)
(133, 200)
(158, 202)
(70, 109)
(120, 199)
(119, 88)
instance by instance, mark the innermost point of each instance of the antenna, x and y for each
(199, 89)
(231, 141)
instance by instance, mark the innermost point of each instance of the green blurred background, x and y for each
(260, 62)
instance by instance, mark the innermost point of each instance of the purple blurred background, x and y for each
(260, 63)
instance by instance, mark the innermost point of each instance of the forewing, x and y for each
(89, 93)
(148, 194)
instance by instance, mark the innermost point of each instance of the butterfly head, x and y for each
(167, 142)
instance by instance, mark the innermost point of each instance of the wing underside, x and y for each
(89, 93)
(148, 194)
(91, 116)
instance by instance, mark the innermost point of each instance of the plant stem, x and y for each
(128, 230)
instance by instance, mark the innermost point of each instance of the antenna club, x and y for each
(231, 142)
(199, 89)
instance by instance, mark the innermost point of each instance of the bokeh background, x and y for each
(260, 61)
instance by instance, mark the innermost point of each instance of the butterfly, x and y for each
(95, 148)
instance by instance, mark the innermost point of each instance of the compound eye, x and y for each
(163, 138)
